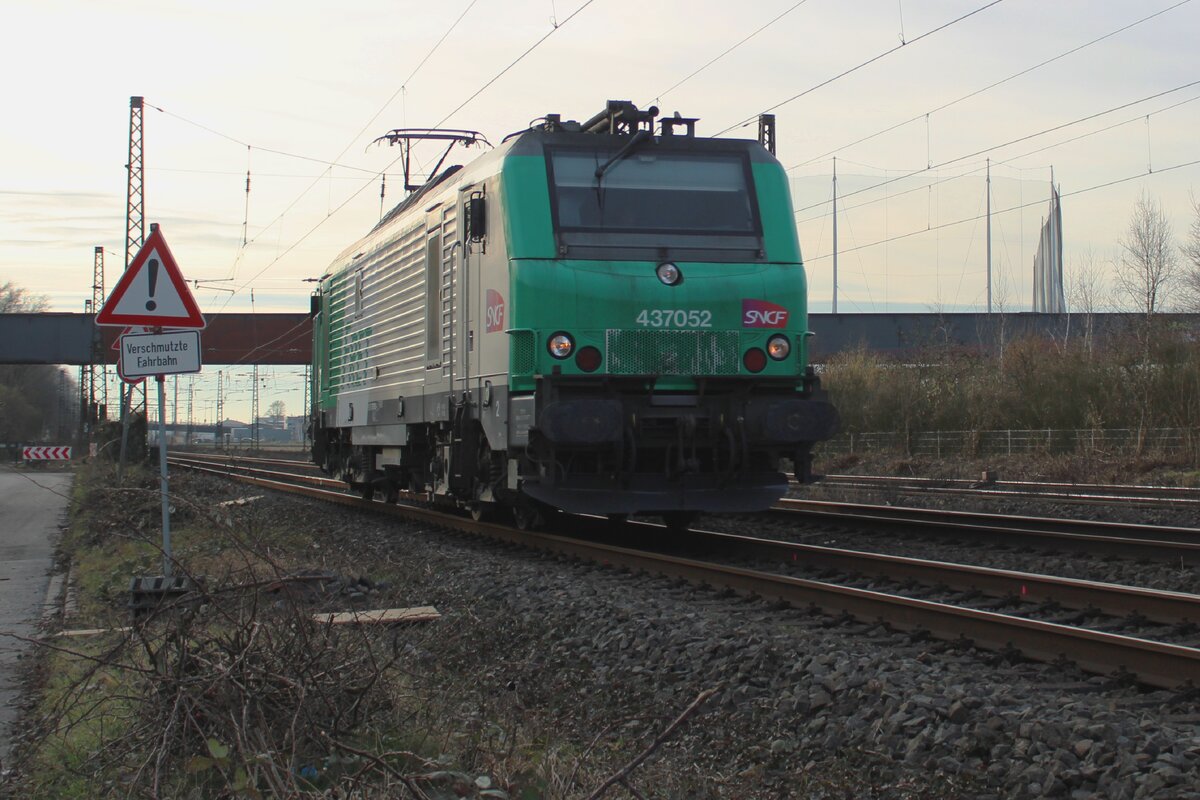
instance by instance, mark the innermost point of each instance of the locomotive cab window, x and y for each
(654, 198)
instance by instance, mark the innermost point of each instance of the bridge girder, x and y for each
(286, 339)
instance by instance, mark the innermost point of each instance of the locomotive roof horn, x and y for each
(621, 117)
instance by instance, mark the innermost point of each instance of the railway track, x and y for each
(1077, 493)
(1175, 545)
(1095, 648)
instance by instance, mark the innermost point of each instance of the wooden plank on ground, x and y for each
(92, 631)
(380, 616)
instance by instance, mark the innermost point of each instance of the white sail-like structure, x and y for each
(1048, 263)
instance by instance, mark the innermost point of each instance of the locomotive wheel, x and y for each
(678, 521)
(526, 517)
(482, 512)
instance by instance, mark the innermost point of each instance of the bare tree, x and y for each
(33, 397)
(1084, 292)
(1189, 290)
(1147, 264)
(277, 410)
(15, 299)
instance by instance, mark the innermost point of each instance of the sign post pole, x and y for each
(152, 293)
(124, 435)
(162, 475)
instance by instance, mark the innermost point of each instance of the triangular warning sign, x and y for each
(152, 292)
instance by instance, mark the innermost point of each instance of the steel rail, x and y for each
(227, 458)
(315, 480)
(1172, 544)
(1084, 494)
(1034, 488)
(1109, 598)
(1155, 663)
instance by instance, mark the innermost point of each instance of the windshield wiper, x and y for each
(633, 142)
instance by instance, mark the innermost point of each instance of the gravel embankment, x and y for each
(808, 706)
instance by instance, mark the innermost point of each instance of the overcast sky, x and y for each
(320, 82)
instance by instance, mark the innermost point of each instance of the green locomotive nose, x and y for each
(700, 326)
(607, 316)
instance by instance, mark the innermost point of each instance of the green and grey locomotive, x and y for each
(604, 317)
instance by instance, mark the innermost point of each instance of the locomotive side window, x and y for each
(433, 296)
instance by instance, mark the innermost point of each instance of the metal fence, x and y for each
(1164, 441)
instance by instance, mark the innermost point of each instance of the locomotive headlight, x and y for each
(778, 347)
(669, 274)
(561, 345)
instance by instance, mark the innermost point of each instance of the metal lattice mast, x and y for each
(135, 233)
(87, 381)
(135, 200)
(191, 396)
(307, 408)
(98, 372)
(254, 407)
(81, 434)
(61, 430)
(85, 374)
(220, 408)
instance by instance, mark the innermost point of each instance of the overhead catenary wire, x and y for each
(856, 68)
(1009, 143)
(371, 182)
(975, 168)
(402, 88)
(728, 50)
(553, 30)
(275, 151)
(1041, 201)
(925, 115)
(1105, 129)
(404, 83)
(329, 163)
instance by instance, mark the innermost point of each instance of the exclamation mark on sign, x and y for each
(153, 264)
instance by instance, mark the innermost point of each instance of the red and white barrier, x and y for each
(46, 453)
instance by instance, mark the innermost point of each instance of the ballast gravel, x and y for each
(807, 705)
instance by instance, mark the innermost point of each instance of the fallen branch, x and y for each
(623, 773)
(386, 767)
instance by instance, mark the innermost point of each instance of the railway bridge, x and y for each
(286, 338)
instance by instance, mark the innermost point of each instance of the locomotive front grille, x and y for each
(666, 352)
(522, 352)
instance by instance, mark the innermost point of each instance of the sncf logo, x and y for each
(494, 320)
(762, 314)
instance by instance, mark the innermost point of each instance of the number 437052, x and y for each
(674, 318)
